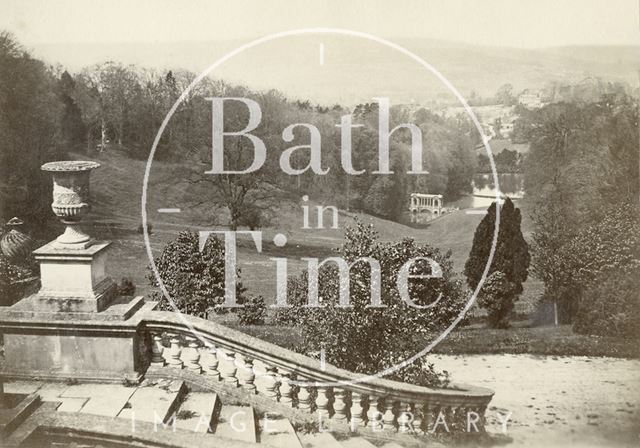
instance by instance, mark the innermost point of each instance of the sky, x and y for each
(521, 23)
(192, 34)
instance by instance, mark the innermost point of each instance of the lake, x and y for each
(484, 190)
(484, 193)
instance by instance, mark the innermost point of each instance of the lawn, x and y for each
(475, 339)
(546, 340)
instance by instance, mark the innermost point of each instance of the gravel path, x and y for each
(556, 401)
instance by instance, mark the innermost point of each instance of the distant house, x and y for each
(530, 100)
(506, 129)
(497, 145)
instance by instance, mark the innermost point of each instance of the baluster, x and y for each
(209, 361)
(340, 408)
(441, 419)
(322, 402)
(190, 354)
(449, 417)
(156, 349)
(427, 417)
(172, 356)
(260, 370)
(304, 398)
(404, 417)
(265, 380)
(357, 411)
(227, 366)
(459, 418)
(416, 424)
(481, 410)
(389, 418)
(373, 414)
(245, 374)
(270, 383)
(286, 390)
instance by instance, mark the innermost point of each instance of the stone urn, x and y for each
(15, 244)
(71, 198)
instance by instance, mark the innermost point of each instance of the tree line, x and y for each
(48, 111)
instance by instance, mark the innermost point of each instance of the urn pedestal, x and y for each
(76, 326)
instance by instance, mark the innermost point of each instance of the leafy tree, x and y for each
(72, 126)
(194, 280)
(462, 167)
(88, 94)
(581, 161)
(240, 193)
(611, 243)
(504, 95)
(507, 161)
(511, 257)
(607, 248)
(365, 339)
(30, 110)
(610, 307)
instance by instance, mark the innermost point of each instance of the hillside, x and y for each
(346, 76)
(117, 188)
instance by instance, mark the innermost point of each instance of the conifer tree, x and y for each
(511, 258)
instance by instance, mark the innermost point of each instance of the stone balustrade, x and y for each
(333, 394)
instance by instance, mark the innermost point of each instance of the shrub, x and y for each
(149, 228)
(497, 296)
(251, 217)
(195, 280)
(365, 339)
(126, 287)
(253, 312)
(611, 306)
(11, 287)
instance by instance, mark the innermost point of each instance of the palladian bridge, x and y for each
(426, 202)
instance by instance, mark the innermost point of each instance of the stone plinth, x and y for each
(73, 280)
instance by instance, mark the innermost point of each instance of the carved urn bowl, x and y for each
(71, 197)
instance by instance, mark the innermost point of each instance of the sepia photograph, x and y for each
(319, 224)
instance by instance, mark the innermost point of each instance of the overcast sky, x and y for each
(522, 23)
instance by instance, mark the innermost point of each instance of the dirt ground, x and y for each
(556, 401)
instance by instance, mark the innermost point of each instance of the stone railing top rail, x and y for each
(309, 369)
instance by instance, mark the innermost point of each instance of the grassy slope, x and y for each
(117, 188)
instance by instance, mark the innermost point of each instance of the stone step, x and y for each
(236, 422)
(153, 404)
(21, 387)
(20, 407)
(391, 445)
(319, 440)
(357, 442)
(103, 399)
(276, 431)
(52, 391)
(71, 404)
(197, 412)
